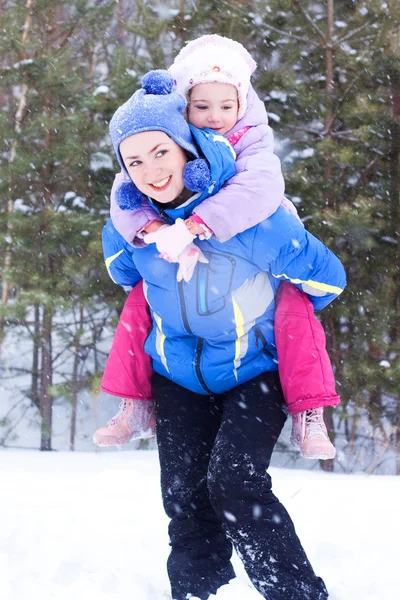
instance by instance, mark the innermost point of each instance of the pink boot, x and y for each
(134, 420)
(309, 435)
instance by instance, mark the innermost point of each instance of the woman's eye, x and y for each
(161, 153)
(135, 163)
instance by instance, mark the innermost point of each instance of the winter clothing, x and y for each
(121, 268)
(216, 331)
(177, 237)
(253, 194)
(156, 107)
(174, 242)
(304, 367)
(134, 420)
(310, 437)
(128, 369)
(210, 59)
(216, 490)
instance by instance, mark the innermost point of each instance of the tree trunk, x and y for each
(46, 401)
(75, 380)
(329, 200)
(394, 210)
(35, 397)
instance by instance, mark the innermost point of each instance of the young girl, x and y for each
(214, 74)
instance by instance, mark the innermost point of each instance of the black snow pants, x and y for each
(214, 454)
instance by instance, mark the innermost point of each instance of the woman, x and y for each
(219, 404)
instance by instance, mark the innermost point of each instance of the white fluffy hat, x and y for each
(213, 58)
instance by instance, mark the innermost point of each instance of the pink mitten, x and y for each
(171, 240)
(187, 262)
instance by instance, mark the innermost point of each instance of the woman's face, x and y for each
(155, 164)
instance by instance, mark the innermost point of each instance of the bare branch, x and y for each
(293, 36)
(314, 132)
(351, 34)
(309, 19)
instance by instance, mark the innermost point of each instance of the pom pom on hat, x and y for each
(128, 196)
(214, 58)
(196, 175)
(159, 83)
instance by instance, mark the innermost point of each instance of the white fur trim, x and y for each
(213, 58)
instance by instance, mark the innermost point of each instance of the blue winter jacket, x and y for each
(217, 331)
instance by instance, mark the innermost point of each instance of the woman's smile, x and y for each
(161, 185)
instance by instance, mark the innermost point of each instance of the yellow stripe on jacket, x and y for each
(108, 262)
(316, 285)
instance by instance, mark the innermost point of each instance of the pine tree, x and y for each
(54, 187)
(329, 85)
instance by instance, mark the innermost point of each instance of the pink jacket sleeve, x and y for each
(305, 370)
(128, 369)
(129, 222)
(253, 194)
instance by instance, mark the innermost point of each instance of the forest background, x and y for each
(329, 75)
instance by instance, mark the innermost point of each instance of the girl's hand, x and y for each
(187, 262)
(170, 240)
(194, 228)
(152, 226)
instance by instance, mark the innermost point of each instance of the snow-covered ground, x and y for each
(91, 525)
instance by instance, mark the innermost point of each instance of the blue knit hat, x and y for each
(156, 107)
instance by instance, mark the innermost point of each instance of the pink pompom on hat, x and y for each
(214, 58)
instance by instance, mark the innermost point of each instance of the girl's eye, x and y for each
(161, 153)
(199, 107)
(135, 163)
(226, 107)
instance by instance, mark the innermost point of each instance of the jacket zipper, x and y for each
(199, 350)
(260, 336)
(200, 342)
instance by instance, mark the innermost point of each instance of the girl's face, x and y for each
(213, 105)
(155, 164)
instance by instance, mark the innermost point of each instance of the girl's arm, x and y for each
(253, 194)
(129, 222)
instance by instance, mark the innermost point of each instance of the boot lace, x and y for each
(122, 408)
(313, 423)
